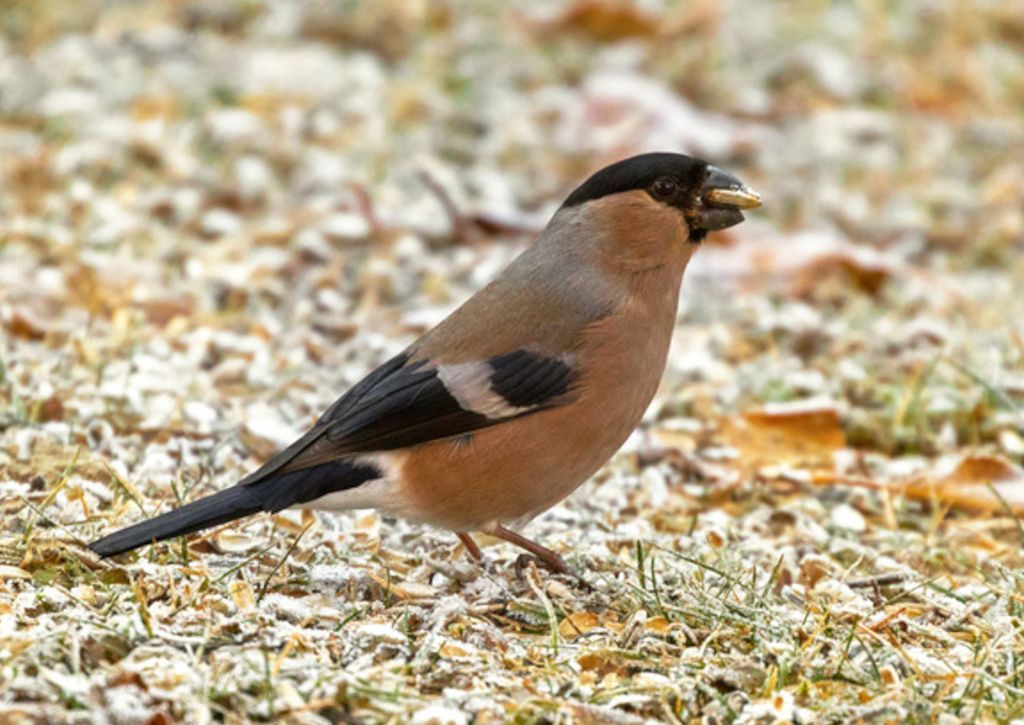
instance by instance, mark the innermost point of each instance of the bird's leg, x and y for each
(471, 547)
(546, 556)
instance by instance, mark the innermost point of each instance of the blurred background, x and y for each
(215, 216)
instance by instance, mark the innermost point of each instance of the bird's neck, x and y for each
(627, 351)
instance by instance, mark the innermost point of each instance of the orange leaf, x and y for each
(658, 625)
(789, 433)
(604, 20)
(23, 323)
(970, 485)
(840, 269)
(576, 624)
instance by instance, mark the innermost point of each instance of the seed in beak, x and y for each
(742, 198)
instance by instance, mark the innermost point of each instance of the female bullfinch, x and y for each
(523, 392)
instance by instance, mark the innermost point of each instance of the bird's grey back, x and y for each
(547, 296)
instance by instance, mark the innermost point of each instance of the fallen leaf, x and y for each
(793, 433)
(658, 625)
(970, 483)
(603, 663)
(603, 20)
(576, 624)
(22, 323)
(162, 309)
(685, 441)
(812, 570)
(145, 108)
(50, 409)
(101, 292)
(840, 270)
(264, 431)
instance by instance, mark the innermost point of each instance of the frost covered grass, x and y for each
(217, 216)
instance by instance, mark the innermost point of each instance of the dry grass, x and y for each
(215, 217)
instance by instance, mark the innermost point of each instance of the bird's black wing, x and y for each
(407, 402)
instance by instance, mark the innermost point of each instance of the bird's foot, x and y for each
(471, 548)
(554, 563)
(537, 554)
(481, 559)
(549, 559)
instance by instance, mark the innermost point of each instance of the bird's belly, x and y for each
(509, 473)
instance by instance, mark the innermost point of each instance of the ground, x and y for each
(214, 217)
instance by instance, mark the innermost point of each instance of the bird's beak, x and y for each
(720, 199)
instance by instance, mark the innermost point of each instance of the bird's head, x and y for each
(650, 202)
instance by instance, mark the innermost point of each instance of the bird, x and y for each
(523, 392)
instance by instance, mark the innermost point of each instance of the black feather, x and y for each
(411, 408)
(308, 484)
(270, 494)
(357, 392)
(526, 379)
(298, 455)
(219, 508)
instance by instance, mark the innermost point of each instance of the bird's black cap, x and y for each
(640, 172)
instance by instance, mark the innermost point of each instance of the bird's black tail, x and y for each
(228, 505)
(278, 491)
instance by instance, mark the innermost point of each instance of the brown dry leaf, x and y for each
(576, 624)
(840, 270)
(970, 485)
(608, 664)
(658, 625)
(31, 178)
(603, 20)
(50, 409)
(94, 290)
(160, 718)
(812, 571)
(293, 521)
(790, 433)
(163, 309)
(23, 323)
(672, 522)
(253, 438)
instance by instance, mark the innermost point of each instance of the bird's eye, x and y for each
(664, 187)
